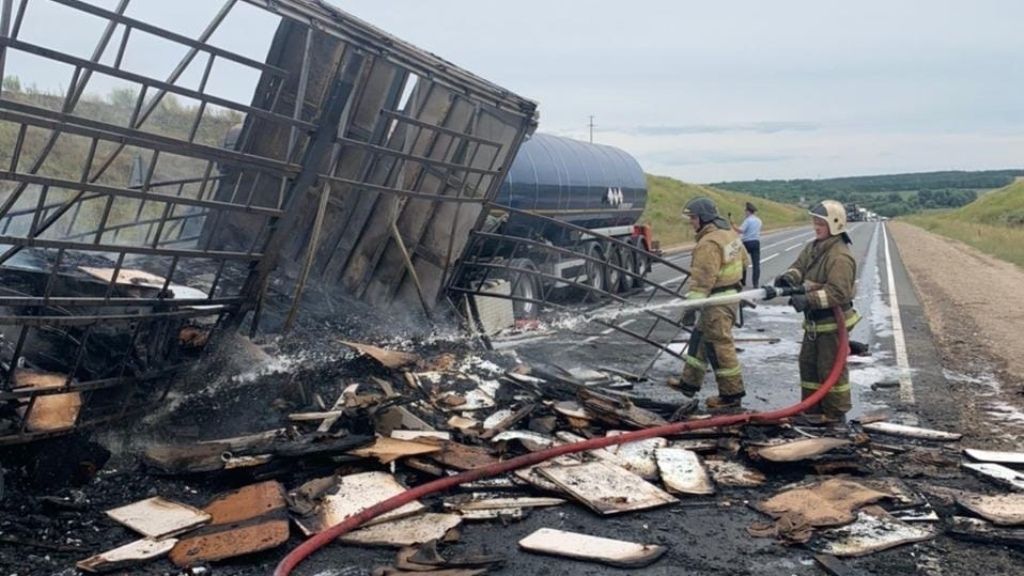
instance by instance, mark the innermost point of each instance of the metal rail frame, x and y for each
(491, 255)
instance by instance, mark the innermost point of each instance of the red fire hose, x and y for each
(289, 562)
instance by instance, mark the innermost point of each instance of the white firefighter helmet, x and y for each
(833, 213)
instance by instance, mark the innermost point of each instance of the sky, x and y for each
(712, 91)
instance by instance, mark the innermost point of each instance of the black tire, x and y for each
(639, 262)
(525, 286)
(629, 281)
(616, 278)
(596, 271)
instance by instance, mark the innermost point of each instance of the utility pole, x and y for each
(591, 128)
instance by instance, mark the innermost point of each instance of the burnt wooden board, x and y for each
(606, 488)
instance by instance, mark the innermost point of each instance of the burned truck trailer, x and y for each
(600, 190)
(131, 237)
(362, 163)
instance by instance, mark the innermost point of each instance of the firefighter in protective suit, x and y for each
(828, 271)
(717, 266)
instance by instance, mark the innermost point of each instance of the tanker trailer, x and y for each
(593, 186)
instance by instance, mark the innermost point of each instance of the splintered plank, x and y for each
(532, 441)
(461, 456)
(420, 435)
(251, 519)
(912, 432)
(618, 553)
(532, 476)
(800, 449)
(997, 473)
(355, 493)
(126, 276)
(398, 418)
(1001, 510)
(599, 453)
(51, 412)
(683, 473)
(733, 474)
(387, 449)
(872, 533)
(132, 554)
(505, 503)
(977, 530)
(157, 517)
(995, 456)
(408, 531)
(606, 488)
(503, 514)
(392, 359)
(638, 457)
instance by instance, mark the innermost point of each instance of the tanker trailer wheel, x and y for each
(525, 287)
(597, 272)
(616, 278)
(629, 262)
(638, 263)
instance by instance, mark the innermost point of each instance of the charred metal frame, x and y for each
(395, 136)
(491, 254)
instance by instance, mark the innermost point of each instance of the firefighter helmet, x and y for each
(833, 213)
(703, 208)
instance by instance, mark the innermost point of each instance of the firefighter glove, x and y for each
(799, 302)
(787, 280)
(690, 317)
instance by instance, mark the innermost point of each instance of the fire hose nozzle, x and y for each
(771, 292)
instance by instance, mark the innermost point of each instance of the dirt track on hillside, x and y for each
(973, 306)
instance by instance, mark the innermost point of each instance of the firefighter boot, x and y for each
(727, 403)
(680, 385)
(817, 419)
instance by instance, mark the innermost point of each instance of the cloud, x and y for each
(669, 158)
(748, 127)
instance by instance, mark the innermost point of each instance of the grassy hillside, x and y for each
(70, 153)
(994, 223)
(666, 198)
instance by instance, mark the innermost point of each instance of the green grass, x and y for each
(667, 196)
(67, 160)
(994, 223)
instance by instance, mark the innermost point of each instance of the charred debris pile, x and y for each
(242, 475)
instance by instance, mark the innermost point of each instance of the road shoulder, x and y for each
(967, 299)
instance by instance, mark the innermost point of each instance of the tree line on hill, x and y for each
(888, 195)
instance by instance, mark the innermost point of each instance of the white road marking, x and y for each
(788, 239)
(900, 344)
(794, 246)
(763, 260)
